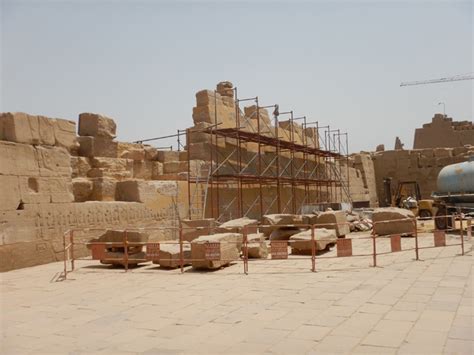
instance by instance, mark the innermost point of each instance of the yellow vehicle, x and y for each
(408, 196)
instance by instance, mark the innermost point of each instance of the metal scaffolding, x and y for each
(255, 168)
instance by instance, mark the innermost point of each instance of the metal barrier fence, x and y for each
(278, 248)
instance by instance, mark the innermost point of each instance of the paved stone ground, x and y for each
(401, 306)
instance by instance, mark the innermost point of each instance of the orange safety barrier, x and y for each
(278, 248)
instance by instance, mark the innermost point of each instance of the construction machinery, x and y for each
(468, 76)
(408, 196)
(455, 193)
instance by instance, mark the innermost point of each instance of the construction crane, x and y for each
(460, 77)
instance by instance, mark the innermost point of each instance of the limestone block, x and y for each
(136, 191)
(80, 166)
(9, 193)
(18, 159)
(65, 134)
(392, 220)
(197, 227)
(165, 156)
(103, 189)
(91, 124)
(230, 245)
(301, 242)
(82, 189)
(170, 254)
(54, 161)
(334, 220)
(97, 147)
(174, 167)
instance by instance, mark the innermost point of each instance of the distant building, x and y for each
(444, 132)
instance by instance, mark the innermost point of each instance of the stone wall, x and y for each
(52, 180)
(421, 165)
(443, 132)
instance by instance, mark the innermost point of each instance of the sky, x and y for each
(337, 62)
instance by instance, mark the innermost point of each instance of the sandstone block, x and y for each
(134, 154)
(156, 170)
(284, 233)
(165, 156)
(392, 220)
(34, 190)
(116, 168)
(151, 153)
(116, 253)
(20, 127)
(229, 248)
(195, 228)
(95, 125)
(282, 219)
(206, 97)
(170, 255)
(18, 159)
(136, 191)
(301, 242)
(175, 167)
(144, 169)
(225, 88)
(257, 248)
(103, 189)
(80, 166)
(9, 193)
(442, 152)
(334, 220)
(82, 189)
(97, 147)
(54, 161)
(65, 134)
(236, 225)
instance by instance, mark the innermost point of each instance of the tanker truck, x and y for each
(455, 192)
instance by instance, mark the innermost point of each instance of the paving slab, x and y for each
(401, 306)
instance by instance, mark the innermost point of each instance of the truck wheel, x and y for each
(425, 214)
(443, 221)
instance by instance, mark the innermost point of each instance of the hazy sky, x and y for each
(141, 62)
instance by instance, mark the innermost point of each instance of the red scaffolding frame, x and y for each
(279, 174)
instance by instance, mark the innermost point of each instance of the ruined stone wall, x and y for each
(421, 165)
(444, 132)
(52, 180)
